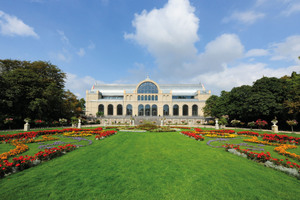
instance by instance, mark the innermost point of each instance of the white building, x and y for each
(147, 99)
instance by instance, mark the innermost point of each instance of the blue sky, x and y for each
(222, 44)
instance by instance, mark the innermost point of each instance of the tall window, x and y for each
(185, 110)
(141, 110)
(119, 109)
(195, 110)
(166, 110)
(101, 108)
(147, 87)
(139, 97)
(110, 109)
(129, 109)
(175, 110)
(154, 110)
(147, 110)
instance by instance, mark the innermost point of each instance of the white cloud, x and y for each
(247, 17)
(168, 33)
(256, 53)
(225, 49)
(79, 85)
(63, 55)
(91, 45)
(243, 74)
(287, 50)
(81, 52)
(291, 9)
(12, 26)
(63, 37)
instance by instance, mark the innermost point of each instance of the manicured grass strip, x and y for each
(149, 166)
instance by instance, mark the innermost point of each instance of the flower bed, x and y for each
(20, 148)
(50, 152)
(283, 139)
(192, 135)
(221, 135)
(24, 162)
(250, 133)
(255, 140)
(279, 164)
(204, 132)
(34, 134)
(104, 134)
(282, 150)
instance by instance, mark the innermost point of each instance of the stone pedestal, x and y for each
(79, 123)
(132, 122)
(275, 128)
(161, 122)
(217, 125)
(26, 127)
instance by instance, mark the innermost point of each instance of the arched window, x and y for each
(129, 109)
(147, 87)
(176, 110)
(119, 109)
(166, 110)
(146, 97)
(147, 110)
(149, 97)
(142, 98)
(110, 109)
(139, 98)
(185, 110)
(152, 97)
(156, 98)
(101, 108)
(154, 110)
(195, 110)
(141, 110)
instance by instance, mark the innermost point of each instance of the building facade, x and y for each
(147, 98)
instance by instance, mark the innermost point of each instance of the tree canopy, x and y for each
(34, 90)
(267, 98)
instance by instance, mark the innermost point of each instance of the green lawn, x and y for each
(149, 166)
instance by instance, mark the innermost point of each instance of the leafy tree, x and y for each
(267, 98)
(34, 90)
(292, 101)
(238, 105)
(72, 106)
(210, 106)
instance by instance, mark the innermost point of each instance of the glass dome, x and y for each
(147, 87)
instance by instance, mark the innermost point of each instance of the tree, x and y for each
(210, 106)
(292, 101)
(34, 90)
(266, 99)
(238, 105)
(72, 106)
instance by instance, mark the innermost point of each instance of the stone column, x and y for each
(79, 123)
(217, 125)
(275, 128)
(26, 127)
